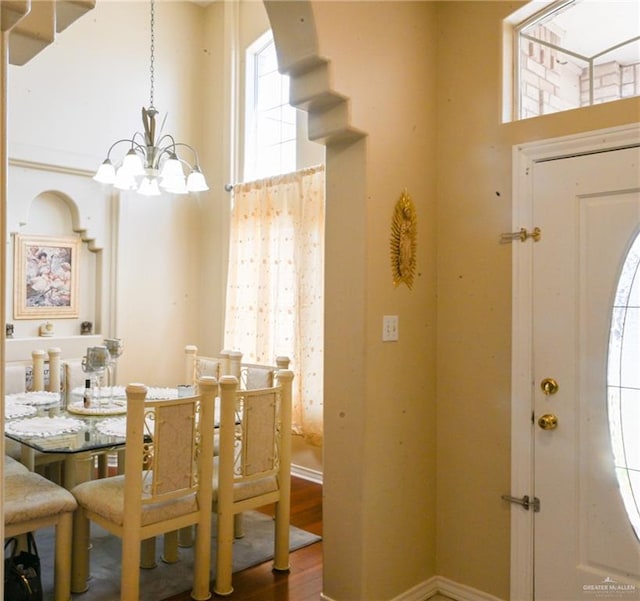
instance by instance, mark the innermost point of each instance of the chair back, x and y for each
(169, 449)
(15, 377)
(74, 375)
(196, 366)
(253, 375)
(255, 430)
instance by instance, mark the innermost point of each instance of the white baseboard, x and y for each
(441, 587)
(306, 473)
(461, 592)
(421, 592)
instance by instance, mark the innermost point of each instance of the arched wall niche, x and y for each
(47, 202)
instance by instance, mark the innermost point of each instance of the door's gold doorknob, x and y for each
(548, 421)
(549, 386)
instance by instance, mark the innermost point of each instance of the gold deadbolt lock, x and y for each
(548, 421)
(549, 386)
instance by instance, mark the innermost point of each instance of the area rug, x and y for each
(164, 580)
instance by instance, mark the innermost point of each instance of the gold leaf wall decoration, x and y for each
(403, 241)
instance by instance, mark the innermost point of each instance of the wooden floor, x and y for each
(304, 581)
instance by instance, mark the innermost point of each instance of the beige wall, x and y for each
(474, 286)
(379, 471)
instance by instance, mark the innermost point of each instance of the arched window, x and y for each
(270, 121)
(576, 53)
(623, 383)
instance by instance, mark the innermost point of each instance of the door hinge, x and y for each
(523, 234)
(525, 501)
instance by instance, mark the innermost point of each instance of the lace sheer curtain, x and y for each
(275, 289)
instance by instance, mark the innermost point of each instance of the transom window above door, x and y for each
(576, 53)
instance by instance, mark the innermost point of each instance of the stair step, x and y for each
(38, 27)
(13, 11)
(68, 11)
(33, 33)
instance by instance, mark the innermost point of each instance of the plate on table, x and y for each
(13, 410)
(116, 426)
(112, 407)
(40, 397)
(41, 427)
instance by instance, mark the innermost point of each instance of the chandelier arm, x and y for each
(191, 148)
(160, 151)
(139, 145)
(171, 144)
(130, 141)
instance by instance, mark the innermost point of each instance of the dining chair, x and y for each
(249, 375)
(31, 502)
(253, 467)
(17, 375)
(166, 485)
(229, 363)
(13, 466)
(255, 375)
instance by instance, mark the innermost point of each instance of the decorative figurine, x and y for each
(46, 329)
(8, 330)
(86, 327)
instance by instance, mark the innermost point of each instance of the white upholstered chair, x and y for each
(32, 502)
(254, 465)
(167, 485)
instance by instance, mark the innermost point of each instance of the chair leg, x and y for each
(202, 562)
(148, 553)
(185, 537)
(120, 454)
(80, 552)
(103, 465)
(238, 526)
(224, 556)
(170, 550)
(130, 575)
(62, 565)
(281, 542)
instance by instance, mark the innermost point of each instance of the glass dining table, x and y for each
(61, 424)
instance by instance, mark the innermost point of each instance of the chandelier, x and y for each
(151, 164)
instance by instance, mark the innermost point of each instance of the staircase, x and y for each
(33, 24)
(329, 116)
(310, 79)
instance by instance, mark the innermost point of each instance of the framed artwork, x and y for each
(45, 277)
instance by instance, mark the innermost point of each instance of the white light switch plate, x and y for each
(389, 328)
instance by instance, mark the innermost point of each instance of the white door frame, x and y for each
(525, 156)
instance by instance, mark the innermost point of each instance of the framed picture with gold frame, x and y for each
(45, 277)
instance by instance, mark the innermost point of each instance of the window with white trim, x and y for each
(623, 384)
(576, 53)
(270, 121)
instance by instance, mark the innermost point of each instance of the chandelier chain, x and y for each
(151, 55)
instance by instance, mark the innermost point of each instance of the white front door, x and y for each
(583, 545)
